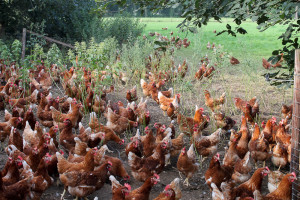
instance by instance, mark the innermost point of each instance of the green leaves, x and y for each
(16, 50)
(241, 30)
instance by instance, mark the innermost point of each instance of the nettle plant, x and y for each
(54, 55)
(92, 55)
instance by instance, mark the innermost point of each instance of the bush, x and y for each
(93, 55)
(133, 55)
(122, 28)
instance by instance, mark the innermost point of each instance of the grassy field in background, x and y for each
(254, 43)
(244, 80)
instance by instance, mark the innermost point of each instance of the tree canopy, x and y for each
(68, 20)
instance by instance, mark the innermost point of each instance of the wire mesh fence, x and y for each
(296, 128)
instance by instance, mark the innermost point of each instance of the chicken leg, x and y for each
(179, 174)
(63, 194)
(186, 182)
(203, 159)
(279, 168)
(2, 146)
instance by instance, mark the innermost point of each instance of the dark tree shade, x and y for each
(64, 19)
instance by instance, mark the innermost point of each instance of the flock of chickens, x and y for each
(52, 143)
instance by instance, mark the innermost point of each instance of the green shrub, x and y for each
(93, 55)
(122, 28)
(54, 55)
(133, 55)
(4, 51)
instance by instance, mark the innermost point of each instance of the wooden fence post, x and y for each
(51, 39)
(23, 43)
(296, 127)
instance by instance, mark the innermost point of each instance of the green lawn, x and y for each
(254, 43)
(243, 80)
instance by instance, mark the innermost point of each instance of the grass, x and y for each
(255, 43)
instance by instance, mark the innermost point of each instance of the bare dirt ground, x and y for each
(198, 188)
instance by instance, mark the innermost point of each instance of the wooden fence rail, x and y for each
(45, 37)
(296, 128)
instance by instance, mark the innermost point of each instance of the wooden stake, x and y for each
(296, 124)
(23, 43)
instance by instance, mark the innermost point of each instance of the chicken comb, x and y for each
(10, 158)
(267, 168)
(294, 174)
(61, 152)
(156, 176)
(136, 144)
(19, 157)
(48, 155)
(274, 118)
(110, 163)
(164, 126)
(146, 128)
(127, 186)
(201, 109)
(167, 187)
